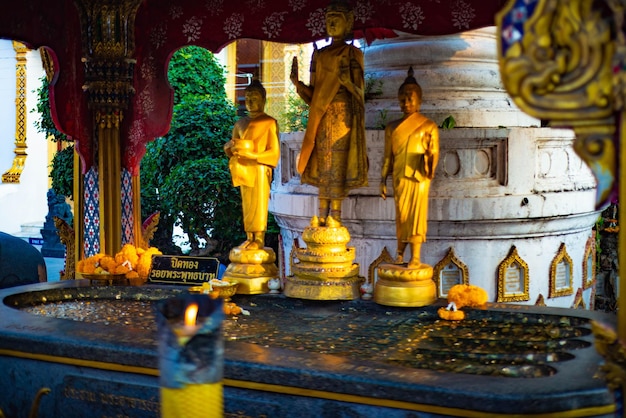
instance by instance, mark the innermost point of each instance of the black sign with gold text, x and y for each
(171, 269)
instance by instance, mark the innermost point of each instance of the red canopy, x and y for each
(163, 26)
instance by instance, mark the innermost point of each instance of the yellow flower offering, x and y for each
(131, 261)
(462, 295)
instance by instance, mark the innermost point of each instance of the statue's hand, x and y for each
(294, 71)
(344, 78)
(383, 190)
(344, 71)
(228, 148)
(243, 153)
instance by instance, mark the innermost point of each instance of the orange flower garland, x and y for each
(462, 295)
(131, 261)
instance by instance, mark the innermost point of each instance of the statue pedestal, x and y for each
(326, 268)
(252, 269)
(399, 285)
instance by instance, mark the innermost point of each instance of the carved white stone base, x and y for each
(493, 188)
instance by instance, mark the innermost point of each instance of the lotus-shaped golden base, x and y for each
(399, 285)
(325, 269)
(252, 269)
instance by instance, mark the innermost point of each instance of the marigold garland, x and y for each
(450, 315)
(133, 262)
(462, 295)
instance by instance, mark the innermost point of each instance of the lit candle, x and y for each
(190, 324)
(190, 375)
(191, 316)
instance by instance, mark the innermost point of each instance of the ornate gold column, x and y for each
(564, 61)
(108, 46)
(557, 65)
(14, 173)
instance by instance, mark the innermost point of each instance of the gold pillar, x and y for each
(566, 63)
(14, 173)
(79, 213)
(621, 236)
(108, 46)
(109, 182)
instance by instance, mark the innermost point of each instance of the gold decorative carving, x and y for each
(252, 268)
(108, 47)
(293, 254)
(513, 278)
(561, 274)
(47, 62)
(325, 269)
(449, 262)
(579, 302)
(384, 257)
(614, 352)
(399, 285)
(589, 262)
(34, 408)
(148, 229)
(561, 69)
(540, 301)
(14, 173)
(66, 235)
(558, 71)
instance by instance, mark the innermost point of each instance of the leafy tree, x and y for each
(296, 114)
(184, 174)
(62, 173)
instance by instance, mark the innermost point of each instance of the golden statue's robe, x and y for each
(412, 146)
(333, 156)
(254, 178)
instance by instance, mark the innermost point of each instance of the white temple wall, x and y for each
(25, 202)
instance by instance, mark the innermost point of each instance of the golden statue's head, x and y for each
(255, 85)
(343, 8)
(411, 84)
(255, 96)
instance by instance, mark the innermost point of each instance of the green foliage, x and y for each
(382, 119)
(599, 226)
(184, 174)
(45, 123)
(208, 207)
(448, 123)
(296, 116)
(62, 173)
(373, 87)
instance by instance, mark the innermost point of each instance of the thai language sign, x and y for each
(183, 269)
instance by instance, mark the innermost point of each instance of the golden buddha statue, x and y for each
(254, 151)
(333, 156)
(411, 156)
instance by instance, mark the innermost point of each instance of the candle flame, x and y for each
(191, 314)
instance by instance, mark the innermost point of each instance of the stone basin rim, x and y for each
(266, 366)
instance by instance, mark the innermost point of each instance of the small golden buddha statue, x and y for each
(411, 155)
(254, 151)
